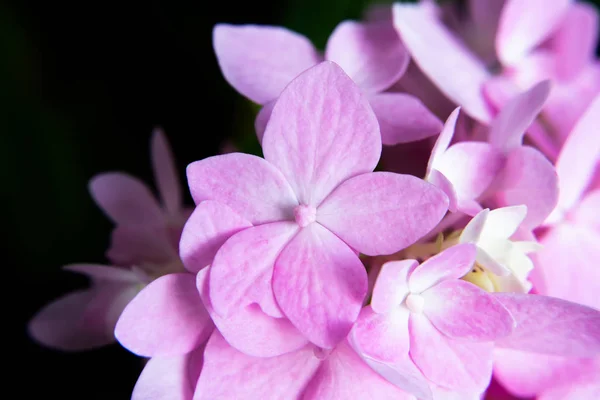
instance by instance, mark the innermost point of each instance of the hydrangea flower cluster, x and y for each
(319, 271)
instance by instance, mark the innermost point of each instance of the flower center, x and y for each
(482, 278)
(415, 303)
(305, 215)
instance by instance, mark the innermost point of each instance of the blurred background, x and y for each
(82, 85)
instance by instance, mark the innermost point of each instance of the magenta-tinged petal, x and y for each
(262, 118)
(443, 140)
(242, 270)
(167, 378)
(343, 375)
(209, 226)
(125, 199)
(166, 318)
(552, 326)
(391, 286)
(452, 263)
(508, 128)
(530, 179)
(485, 14)
(322, 131)
(461, 310)
(471, 167)
(382, 212)
(403, 118)
(443, 58)
(165, 172)
(586, 213)
(578, 159)
(268, 337)
(589, 390)
(525, 24)
(438, 179)
(320, 285)
(458, 365)
(259, 61)
(251, 186)
(230, 374)
(370, 53)
(138, 244)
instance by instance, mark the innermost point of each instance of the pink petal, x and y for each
(251, 186)
(508, 128)
(322, 131)
(438, 179)
(165, 172)
(370, 53)
(242, 270)
(552, 326)
(391, 286)
(139, 244)
(268, 336)
(230, 374)
(262, 118)
(81, 320)
(403, 118)
(209, 226)
(587, 390)
(485, 14)
(125, 199)
(525, 24)
(259, 61)
(578, 158)
(586, 213)
(471, 167)
(166, 318)
(382, 212)
(443, 140)
(320, 285)
(100, 273)
(575, 40)
(443, 58)
(343, 375)
(530, 179)
(452, 263)
(461, 310)
(167, 378)
(458, 365)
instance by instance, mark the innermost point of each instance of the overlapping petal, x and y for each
(391, 286)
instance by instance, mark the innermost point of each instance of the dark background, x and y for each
(81, 87)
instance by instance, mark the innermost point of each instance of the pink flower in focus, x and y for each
(314, 203)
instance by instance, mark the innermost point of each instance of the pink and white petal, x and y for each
(443, 140)
(165, 172)
(166, 318)
(391, 286)
(381, 337)
(230, 374)
(504, 222)
(509, 126)
(140, 244)
(529, 179)
(269, 336)
(452, 263)
(98, 272)
(471, 167)
(589, 390)
(242, 270)
(343, 375)
(262, 119)
(461, 310)
(579, 157)
(259, 61)
(371, 53)
(322, 131)
(525, 24)
(403, 118)
(205, 231)
(548, 325)
(320, 284)
(575, 40)
(251, 186)
(167, 378)
(125, 199)
(586, 213)
(472, 232)
(453, 364)
(438, 179)
(443, 58)
(382, 212)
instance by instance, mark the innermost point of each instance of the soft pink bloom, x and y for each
(259, 61)
(423, 319)
(313, 203)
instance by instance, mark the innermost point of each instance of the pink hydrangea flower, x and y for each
(314, 203)
(259, 61)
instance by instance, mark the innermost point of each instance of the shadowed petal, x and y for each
(165, 172)
(262, 118)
